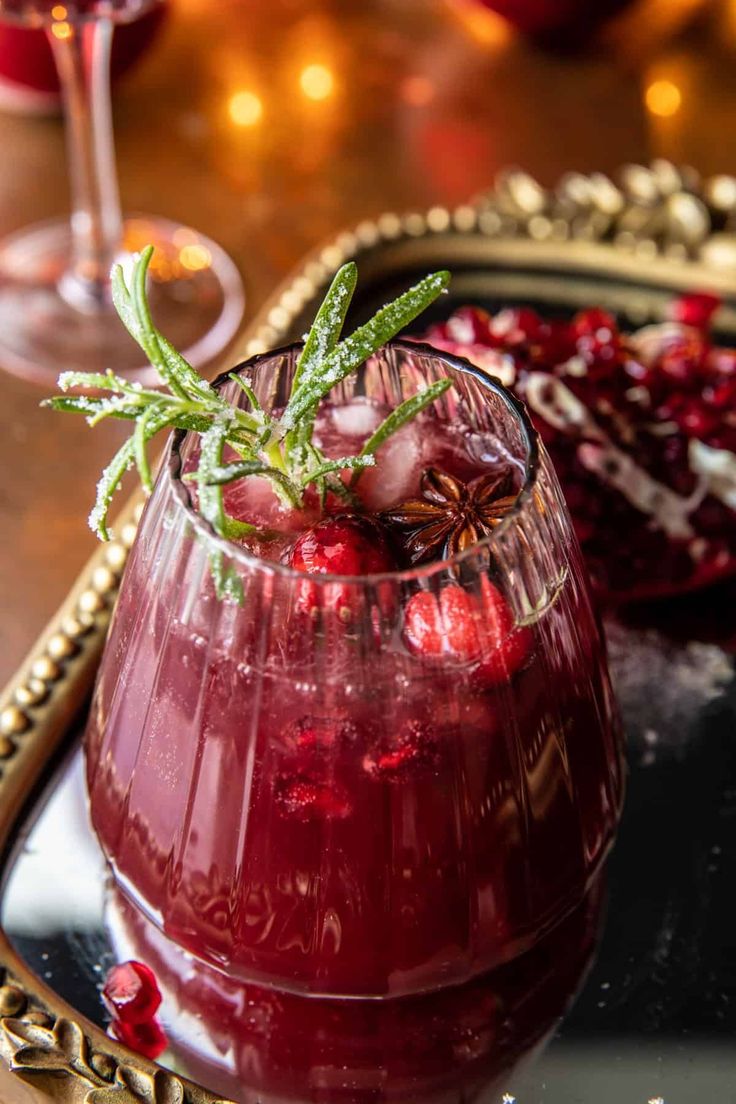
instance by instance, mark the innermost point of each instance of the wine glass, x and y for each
(56, 310)
(320, 789)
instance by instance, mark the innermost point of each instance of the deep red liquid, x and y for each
(233, 785)
(36, 13)
(454, 1045)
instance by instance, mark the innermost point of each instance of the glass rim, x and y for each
(171, 469)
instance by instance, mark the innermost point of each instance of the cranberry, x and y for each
(414, 749)
(130, 992)
(308, 796)
(465, 629)
(347, 544)
(695, 310)
(147, 1039)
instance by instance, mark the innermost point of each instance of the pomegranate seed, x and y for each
(319, 734)
(147, 1039)
(721, 395)
(515, 326)
(308, 797)
(130, 992)
(683, 360)
(723, 362)
(696, 421)
(414, 749)
(695, 310)
(468, 326)
(554, 345)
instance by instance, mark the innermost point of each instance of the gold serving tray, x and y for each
(626, 245)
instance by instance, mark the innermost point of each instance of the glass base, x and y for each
(47, 326)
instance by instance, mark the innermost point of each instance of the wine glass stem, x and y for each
(83, 62)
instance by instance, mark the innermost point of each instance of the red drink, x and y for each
(36, 13)
(454, 1045)
(326, 789)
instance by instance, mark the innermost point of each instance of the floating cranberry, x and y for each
(147, 1039)
(695, 310)
(347, 544)
(130, 992)
(462, 628)
(414, 749)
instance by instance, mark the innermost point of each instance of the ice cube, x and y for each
(358, 418)
(395, 476)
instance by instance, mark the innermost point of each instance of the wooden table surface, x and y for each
(428, 103)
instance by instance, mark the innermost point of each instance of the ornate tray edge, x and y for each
(654, 215)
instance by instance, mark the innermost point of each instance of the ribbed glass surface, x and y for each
(211, 721)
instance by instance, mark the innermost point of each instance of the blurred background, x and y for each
(269, 126)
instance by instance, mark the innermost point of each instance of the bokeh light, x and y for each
(195, 258)
(61, 30)
(316, 81)
(245, 108)
(663, 98)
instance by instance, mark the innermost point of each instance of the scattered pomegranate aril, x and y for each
(596, 336)
(682, 361)
(516, 326)
(696, 421)
(147, 1039)
(470, 326)
(130, 993)
(414, 749)
(695, 310)
(652, 393)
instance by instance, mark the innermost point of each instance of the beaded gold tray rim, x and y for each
(656, 225)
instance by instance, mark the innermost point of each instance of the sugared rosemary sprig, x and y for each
(280, 449)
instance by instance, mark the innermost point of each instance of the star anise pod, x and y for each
(450, 515)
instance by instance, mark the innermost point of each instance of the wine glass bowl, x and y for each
(313, 801)
(56, 311)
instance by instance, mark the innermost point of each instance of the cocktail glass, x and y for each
(293, 794)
